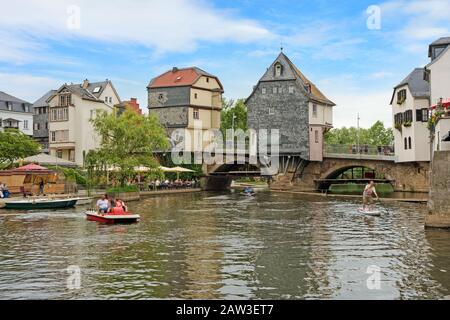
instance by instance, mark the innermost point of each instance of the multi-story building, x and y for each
(438, 75)
(189, 101)
(286, 100)
(410, 102)
(15, 113)
(71, 107)
(40, 120)
(132, 104)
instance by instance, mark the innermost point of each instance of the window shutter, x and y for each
(419, 115)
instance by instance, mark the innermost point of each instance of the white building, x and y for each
(71, 134)
(410, 103)
(15, 114)
(438, 74)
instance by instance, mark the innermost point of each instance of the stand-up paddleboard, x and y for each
(373, 213)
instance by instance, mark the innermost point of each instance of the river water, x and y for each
(223, 245)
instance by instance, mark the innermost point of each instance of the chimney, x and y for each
(174, 69)
(85, 84)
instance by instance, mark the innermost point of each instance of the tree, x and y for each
(15, 145)
(128, 141)
(377, 135)
(230, 109)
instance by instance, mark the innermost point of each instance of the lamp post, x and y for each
(357, 136)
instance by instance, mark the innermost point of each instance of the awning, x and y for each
(47, 160)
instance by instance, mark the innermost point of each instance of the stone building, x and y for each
(40, 120)
(185, 99)
(286, 100)
(15, 113)
(410, 102)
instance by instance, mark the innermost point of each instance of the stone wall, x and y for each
(439, 203)
(287, 112)
(172, 117)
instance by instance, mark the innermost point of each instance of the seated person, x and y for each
(121, 204)
(103, 204)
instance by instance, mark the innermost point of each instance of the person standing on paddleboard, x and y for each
(369, 191)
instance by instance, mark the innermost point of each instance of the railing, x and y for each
(362, 149)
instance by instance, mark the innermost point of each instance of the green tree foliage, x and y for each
(15, 145)
(237, 109)
(377, 135)
(127, 141)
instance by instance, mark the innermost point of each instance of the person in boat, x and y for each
(121, 204)
(103, 204)
(249, 191)
(369, 191)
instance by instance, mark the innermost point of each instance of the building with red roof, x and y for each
(185, 99)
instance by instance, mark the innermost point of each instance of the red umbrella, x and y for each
(34, 168)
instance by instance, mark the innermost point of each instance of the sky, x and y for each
(354, 51)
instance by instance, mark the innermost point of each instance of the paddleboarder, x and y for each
(369, 191)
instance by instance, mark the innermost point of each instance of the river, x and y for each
(223, 245)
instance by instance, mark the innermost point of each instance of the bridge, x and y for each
(337, 167)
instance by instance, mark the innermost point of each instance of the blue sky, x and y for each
(45, 43)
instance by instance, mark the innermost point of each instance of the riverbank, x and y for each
(349, 196)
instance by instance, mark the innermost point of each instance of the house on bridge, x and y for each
(286, 100)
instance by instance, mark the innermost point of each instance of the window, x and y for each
(65, 100)
(110, 99)
(398, 119)
(291, 89)
(278, 70)
(264, 90)
(314, 111)
(196, 114)
(60, 136)
(106, 99)
(72, 155)
(410, 143)
(25, 124)
(59, 154)
(46, 125)
(316, 136)
(422, 115)
(195, 95)
(271, 111)
(59, 114)
(9, 105)
(35, 127)
(97, 90)
(406, 144)
(1, 122)
(408, 117)
(275, 90)
(401, 96)
(207, 80)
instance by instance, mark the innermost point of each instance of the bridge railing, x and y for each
(362, 149)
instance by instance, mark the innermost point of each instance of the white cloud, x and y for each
(27, 87)
(175, 25)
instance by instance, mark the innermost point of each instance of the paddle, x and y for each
(384, 207)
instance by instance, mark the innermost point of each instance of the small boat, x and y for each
(39, 203)
(373, 213)
(112, 218)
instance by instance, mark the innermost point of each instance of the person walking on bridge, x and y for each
(369, 191)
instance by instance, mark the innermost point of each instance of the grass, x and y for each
(352, 188)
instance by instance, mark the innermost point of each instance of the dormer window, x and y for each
(401, 96)
(278, 69)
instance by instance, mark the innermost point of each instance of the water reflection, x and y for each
(208, 246)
